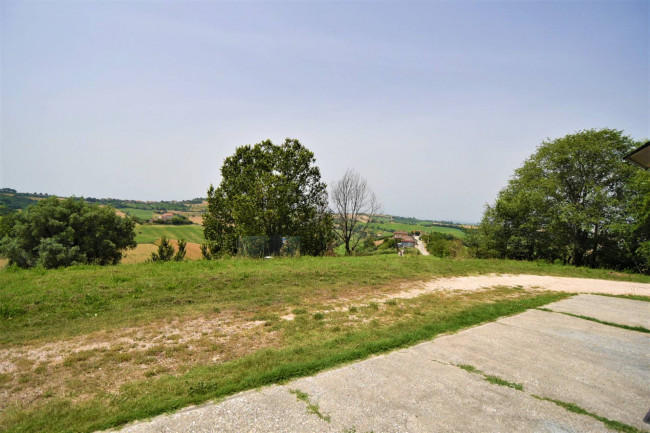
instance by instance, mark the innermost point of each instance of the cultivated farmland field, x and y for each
(142, 252)
(392, 227)
(149, 234)
(144, 214)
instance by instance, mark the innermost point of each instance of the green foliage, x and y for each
(269, 190)
(180, 220)
(55, 233)
(176, 220)
(151, 206)
(205, 251)
(444, 245)
(574, 201)
(165, 251)
(180, 254)
(11, 202)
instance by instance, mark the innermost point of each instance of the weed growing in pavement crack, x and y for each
(613, 425)
(311, 408)
(490, 378)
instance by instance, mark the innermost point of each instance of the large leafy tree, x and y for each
(575, 200)
(269, 190)
(55, 233)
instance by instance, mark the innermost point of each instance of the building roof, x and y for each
(641, 156)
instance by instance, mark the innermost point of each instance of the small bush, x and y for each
(180, 254)
(165, 251)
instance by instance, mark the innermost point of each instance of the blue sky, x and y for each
(434, 103)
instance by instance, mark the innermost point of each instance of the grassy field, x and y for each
(150, 233)
(95, 347)
(144, 214)
(391, 227)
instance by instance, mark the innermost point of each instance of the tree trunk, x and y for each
(595, 249)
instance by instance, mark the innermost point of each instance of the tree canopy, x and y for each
(576, 201)
(269, 190)
(55, 233)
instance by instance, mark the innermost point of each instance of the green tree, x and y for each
(573, 201)
(55, 233)
(180, 254)
(205, 251)
(165, 251)
(269, 190)
(634, 231)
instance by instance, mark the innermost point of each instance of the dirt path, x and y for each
(528, 282)
(421, 246)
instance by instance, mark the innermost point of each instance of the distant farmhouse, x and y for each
(404, 239)
(166, 217)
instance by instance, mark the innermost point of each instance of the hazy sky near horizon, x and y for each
(434, 103)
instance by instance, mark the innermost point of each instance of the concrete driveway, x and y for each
(511, 375)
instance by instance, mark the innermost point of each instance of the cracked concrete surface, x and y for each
(637, 313)
(601, 368)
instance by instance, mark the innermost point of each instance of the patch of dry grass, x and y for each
(85, 366)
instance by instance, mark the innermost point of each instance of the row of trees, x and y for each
(267, 191)
(574, 201)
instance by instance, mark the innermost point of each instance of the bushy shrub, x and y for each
(180, 254)
(55, 233)
(445, 245)
(165, 251)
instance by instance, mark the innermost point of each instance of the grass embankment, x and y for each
(93, 347)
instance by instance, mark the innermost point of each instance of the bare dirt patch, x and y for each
(79, 366)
